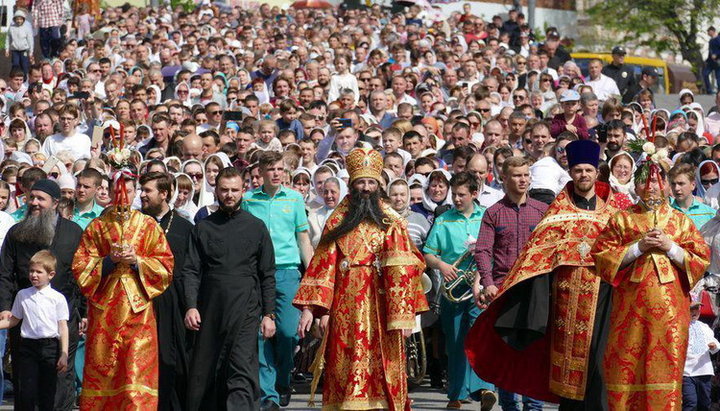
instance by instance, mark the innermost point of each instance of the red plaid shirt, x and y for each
(504, 231)
(48, 13)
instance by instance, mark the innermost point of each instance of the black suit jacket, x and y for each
(15, 258)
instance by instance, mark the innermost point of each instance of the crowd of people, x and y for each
(229, 193)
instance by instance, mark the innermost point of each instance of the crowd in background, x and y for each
(191, 93)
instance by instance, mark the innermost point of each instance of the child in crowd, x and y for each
(43, 349)
(20, 42)
(342, 79)
(698, 366)
(267, 140)
(569, 119)
(288, 118)
(547, 177)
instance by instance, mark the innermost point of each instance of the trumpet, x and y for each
(465, 276)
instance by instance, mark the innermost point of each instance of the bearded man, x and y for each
(364, 284)
(43, 229)
(229, 281)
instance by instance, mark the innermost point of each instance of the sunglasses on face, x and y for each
(710, 182)
(560, 150)
(484, 110)
(195, 176)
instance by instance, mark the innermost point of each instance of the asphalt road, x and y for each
(424, 398)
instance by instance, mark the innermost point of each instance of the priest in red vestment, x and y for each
(364, 284)
(544, 333)
(652, 255)
(123, 262)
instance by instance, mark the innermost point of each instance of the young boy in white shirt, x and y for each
(698, 371)
(547, 177)
(43, 349)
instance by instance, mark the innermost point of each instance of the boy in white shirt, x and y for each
(43, 349)
(698, 371)
(547, 177)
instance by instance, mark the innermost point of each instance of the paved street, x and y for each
(424, 398)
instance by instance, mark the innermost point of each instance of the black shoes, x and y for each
(285, 393)
(269, 405)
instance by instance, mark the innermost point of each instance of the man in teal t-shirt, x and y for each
(283, 212)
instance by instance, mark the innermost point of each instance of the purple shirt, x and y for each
(504, 231)
(558, 124)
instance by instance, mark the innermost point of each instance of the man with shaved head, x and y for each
(192, 148)
(478, 166)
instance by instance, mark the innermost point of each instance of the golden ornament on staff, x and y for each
(465, 276)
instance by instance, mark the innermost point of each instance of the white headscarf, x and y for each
(428, 203)
(189, 209)
(629, 187)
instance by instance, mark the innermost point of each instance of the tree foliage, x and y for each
(663, 25)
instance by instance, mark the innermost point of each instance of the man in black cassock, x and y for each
(156, 189)
(229, 280)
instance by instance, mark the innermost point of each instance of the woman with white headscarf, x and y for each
(182, 198)
(156, 97)
(207, 202)
(622, 168)
(437, 195)
(707, 175)
(334, 190)
(182, 93)
(398, 192)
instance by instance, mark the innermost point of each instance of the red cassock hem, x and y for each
(525, 372)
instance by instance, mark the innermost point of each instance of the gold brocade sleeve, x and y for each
(609, 250)
(87, 264)
(318, 284)
(402, 267)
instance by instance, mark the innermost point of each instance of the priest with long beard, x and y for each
(43, 229)
(364, 284)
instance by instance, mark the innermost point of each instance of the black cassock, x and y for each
(169, 314)
(229, 276)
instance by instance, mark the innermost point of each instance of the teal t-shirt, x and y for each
(284, 216)
(449, 234)
(698, 212)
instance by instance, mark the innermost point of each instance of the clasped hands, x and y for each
(126, 256)
(655, 238)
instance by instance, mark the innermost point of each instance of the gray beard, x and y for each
(37, 229)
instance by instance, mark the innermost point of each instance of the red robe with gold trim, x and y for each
(121, 351)
(555, 364)
(645, 354)
(368, 281)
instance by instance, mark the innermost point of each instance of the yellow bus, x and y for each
(671, 77)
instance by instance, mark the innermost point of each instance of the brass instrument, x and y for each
(465, 276)
(426, 282)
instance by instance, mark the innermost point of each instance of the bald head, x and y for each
(192, 147)
(479, 167)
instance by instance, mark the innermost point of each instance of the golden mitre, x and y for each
(364, 163)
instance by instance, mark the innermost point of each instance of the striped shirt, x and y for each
(505, 229)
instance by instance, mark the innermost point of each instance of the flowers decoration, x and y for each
(119, 158)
